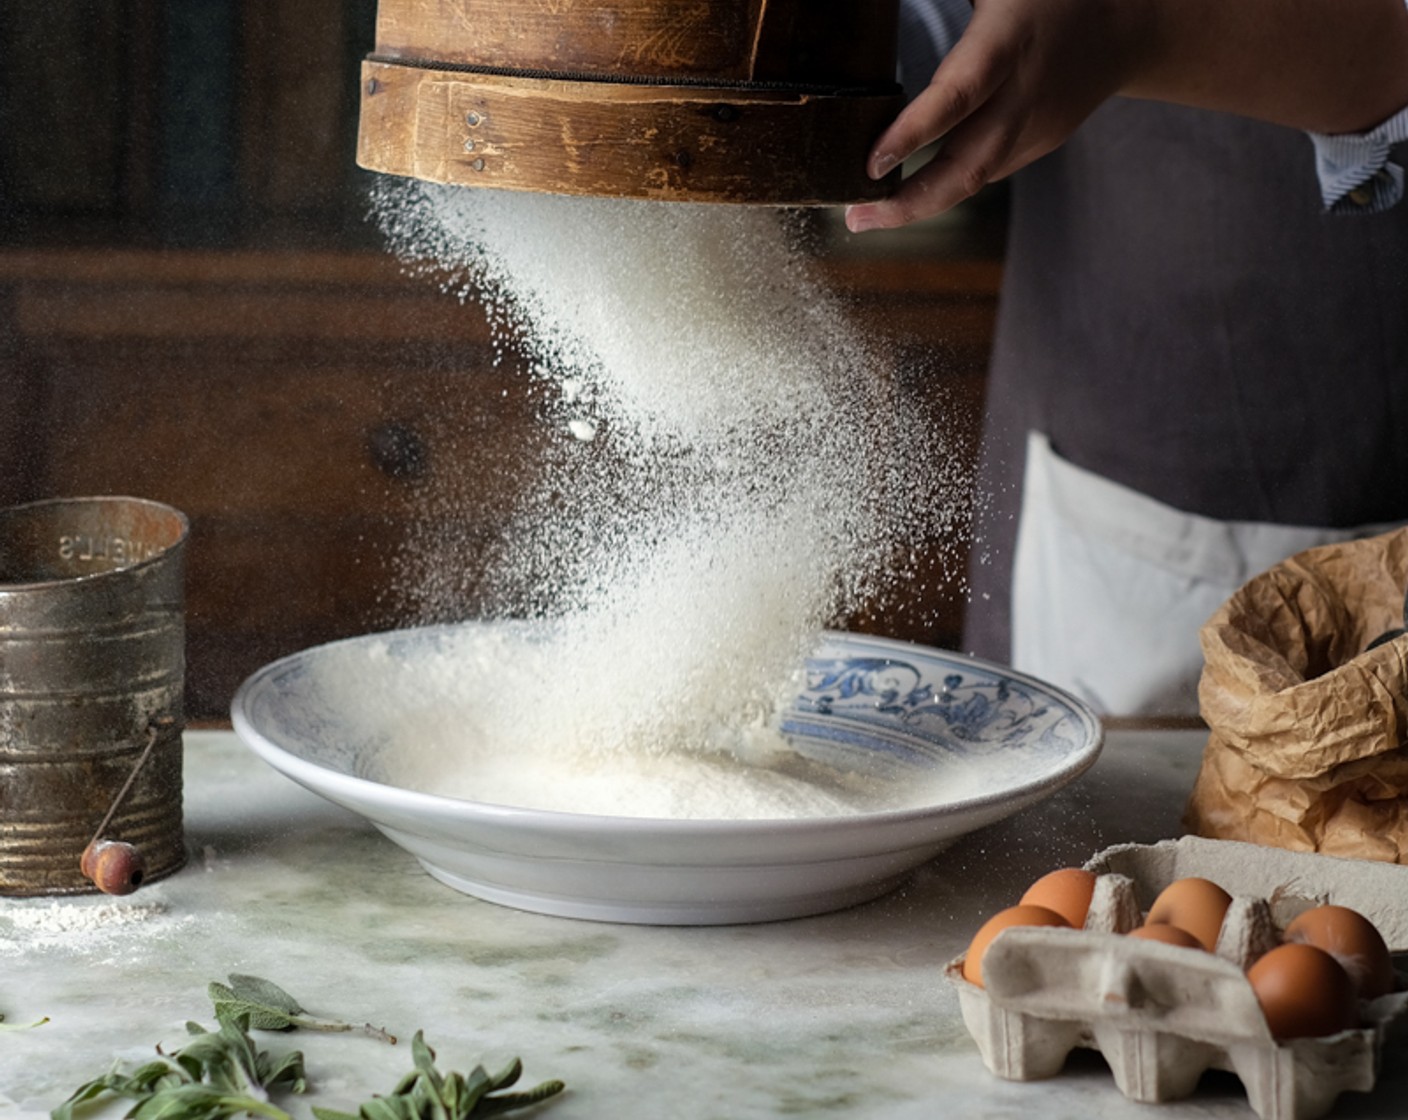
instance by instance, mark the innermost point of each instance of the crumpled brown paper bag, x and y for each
(1309, 743)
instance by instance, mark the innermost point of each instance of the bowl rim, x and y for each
(443, 808)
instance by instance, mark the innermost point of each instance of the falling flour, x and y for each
(733, 475)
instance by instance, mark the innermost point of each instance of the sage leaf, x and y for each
(262, 1017)
(427, 1094)
(221, 1074)
(258, 990)
(384, 1108)
(269, 1008)
(88, 1091)
(217, 1075)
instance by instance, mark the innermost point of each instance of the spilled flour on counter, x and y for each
(732, 475)
(95, 927)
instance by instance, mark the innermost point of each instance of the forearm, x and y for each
(1026, 73)
(1318, 65)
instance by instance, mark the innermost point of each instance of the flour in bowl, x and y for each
(665, 785)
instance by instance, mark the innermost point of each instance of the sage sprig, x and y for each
(222, 1074)
(218, 1074)
(270, 1008)
(427, 1094)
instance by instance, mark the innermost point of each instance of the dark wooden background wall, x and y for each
(195, 309)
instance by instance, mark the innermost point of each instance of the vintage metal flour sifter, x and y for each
(92, 667)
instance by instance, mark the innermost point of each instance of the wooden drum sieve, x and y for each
(770, 102)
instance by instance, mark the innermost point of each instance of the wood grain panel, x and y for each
(62, 112)
(348, 272)
(295, 105)
(227, 437)
(264, 586)
(22, 402)
(162, 313)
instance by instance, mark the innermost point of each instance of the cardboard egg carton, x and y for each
(1162, 1015)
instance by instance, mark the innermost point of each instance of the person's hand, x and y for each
(1019, 81)
(1026, 73)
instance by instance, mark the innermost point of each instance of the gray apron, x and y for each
(1179, 319)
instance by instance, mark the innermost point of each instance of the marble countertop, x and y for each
(846, 1014)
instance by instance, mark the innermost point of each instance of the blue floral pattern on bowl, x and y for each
(866, 690)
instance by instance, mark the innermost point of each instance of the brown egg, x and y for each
(1194, 905)
(1352, 940)
(1303, 992)
(1169, 935)
(1004, 919)
(1066, 890)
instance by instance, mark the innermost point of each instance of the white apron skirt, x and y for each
(1110, 587)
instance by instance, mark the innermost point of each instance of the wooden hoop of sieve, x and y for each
(773, 102)
(774, 147)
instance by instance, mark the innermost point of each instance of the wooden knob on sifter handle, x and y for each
(114, 866)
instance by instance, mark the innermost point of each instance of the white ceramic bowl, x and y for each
(962, 743)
